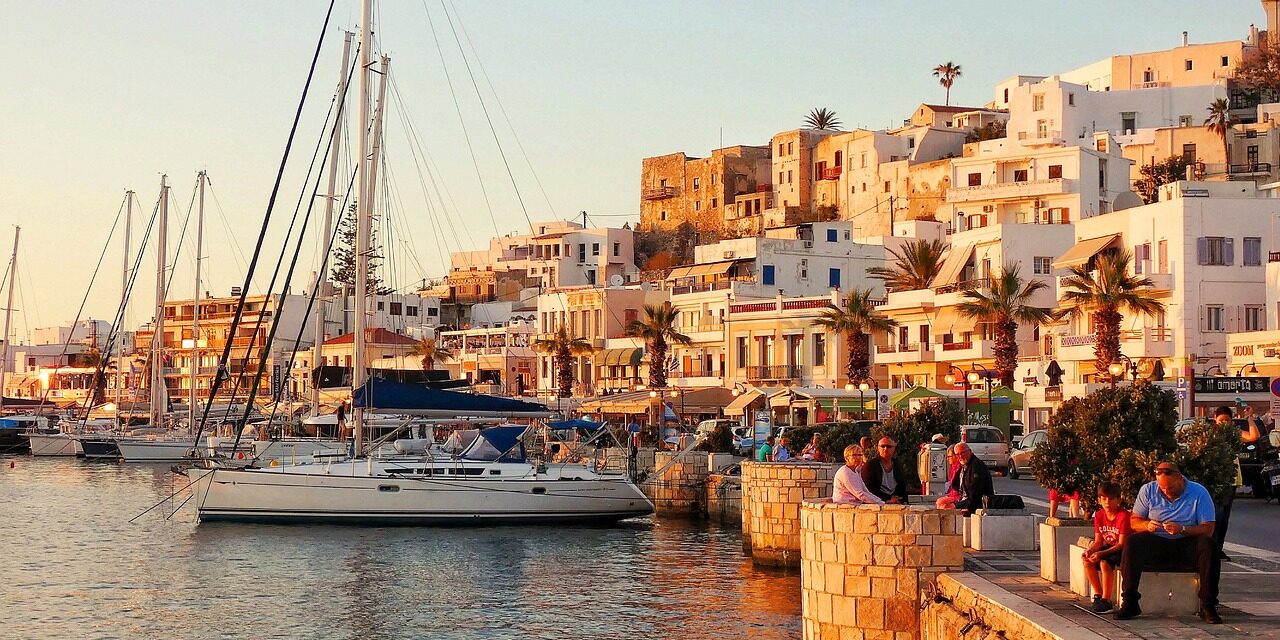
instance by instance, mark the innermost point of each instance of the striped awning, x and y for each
(1084, 250)
(954, 264)
(628, 356)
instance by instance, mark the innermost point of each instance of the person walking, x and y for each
(1173, 523)
(847, 486)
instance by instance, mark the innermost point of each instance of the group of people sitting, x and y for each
(878, 477)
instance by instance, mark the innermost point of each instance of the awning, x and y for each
(1015, 398)
(680, 272)
(1084, 250)
(846, 404)
(627, 356)
(782, 399)
(954, 264)
(739, 405)
(902, 399)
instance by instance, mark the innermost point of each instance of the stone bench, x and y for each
(1166, 591)
(1002, 530)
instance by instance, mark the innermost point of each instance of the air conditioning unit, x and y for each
(808, 244)
(728, 255)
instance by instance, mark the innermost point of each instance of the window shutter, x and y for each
(1202, 250)
(1229, 251)
(1137, 259)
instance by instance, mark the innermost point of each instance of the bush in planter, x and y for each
(913, 429)
(1207, 453)
(833, 441)
(1114, 434)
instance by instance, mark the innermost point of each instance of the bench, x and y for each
(1002, 530)
(1166, 590)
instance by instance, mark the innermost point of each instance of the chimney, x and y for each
(1253, 35)
(1184, 38)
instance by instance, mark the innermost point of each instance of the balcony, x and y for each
(964, 285)
(905, 353)
(831, 173)
(1009, 190)
(965, 350)
(773, 373)
(1076, 347)
(1148, 342)
(658, 193)
(701, 287)
(1252, 168)
(695, 369)
(706, 327)
(1273, 256)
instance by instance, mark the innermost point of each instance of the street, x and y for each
(1252, 520)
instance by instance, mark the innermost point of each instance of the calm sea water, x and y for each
(72, 566)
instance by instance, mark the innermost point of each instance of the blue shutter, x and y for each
(831, 235)
(833, 278)
(1229, 251)
(766, 274)
(1202, 250)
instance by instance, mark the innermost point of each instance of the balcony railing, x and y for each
(1022, 189)
(831, 173)
(1250, 168)
(694, 370)
(702, 287)
(1085, 340)
(658, 193)
(957, 346)
(1273, 256)
(965, 285)
(771, 373)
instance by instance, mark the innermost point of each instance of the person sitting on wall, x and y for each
(884, 476)
(1110, 528)
(782, 452)
(812, 451)
(848, 487)
(765, 452)
(972, 481)
(948, 500)
(1172, 522)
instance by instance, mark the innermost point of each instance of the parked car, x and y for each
(707, 426)
(988, 443)
(1020, 454)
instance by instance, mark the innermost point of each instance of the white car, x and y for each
(988, 443)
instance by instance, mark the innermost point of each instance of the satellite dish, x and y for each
(615, 280)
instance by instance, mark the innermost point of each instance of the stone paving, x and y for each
(1250, 595)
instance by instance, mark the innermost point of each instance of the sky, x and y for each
(108, 96)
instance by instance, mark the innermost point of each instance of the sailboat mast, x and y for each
(124, 297)
(195, 307)
(8, 313)
(158, 394)
(358, 373)
(322, 277)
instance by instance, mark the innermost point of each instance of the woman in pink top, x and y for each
(848, 487)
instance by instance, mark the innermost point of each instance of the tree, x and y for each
(658, 330)
(563, 348)
(855, 321)
(1103, 292)
(910, 430)
(822, 118)
(1158, 174)
(989, 131)
(916, 263)
(1220, 122)
(946, 73)
(1114, 434)
(1260, 73)
(1007, 305)
(344, 257)
(431, 353)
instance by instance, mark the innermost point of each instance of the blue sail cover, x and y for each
(416, 399)
(501, 444)
(576, 423)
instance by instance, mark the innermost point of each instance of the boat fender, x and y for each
(240, 455)
(275, 463)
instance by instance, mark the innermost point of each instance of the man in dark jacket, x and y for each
(972, 482)
(883, 477)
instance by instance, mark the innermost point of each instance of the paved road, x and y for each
(1253, 523)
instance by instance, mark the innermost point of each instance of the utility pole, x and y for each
(159, 398)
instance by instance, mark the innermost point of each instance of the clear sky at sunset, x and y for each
(106, 96)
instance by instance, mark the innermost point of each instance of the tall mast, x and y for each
(195, 307)
(362, 225)
(322, 277)
(124, 298)
(158, 394)
(8, 312)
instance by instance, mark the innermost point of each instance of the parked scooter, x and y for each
(1269, 476)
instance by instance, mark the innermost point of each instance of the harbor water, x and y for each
(74, 566)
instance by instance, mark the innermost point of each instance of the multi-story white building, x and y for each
(598, 314)
(557, 254)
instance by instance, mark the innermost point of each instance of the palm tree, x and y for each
(916, 264)
(1005, 307)
(855, 321)
(1220, 122)
(1107, 290)
(822, 118)
(563, 347)
(431, 353)
(658, 330)
(946, 73)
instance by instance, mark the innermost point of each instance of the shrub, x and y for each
(1207, 453)
(913, 429)
(719, 441)
(1114, 434)
(833, 441)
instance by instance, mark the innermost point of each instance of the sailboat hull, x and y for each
(270, 495)
(99, 448)
(54, 444)
(154, 450)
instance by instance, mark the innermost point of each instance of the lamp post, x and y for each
(1252, 367)
(982, 373)
(1117, 369)
(655, 403)
(951, 380)
(1208, 371)
(849, 387)
(680, 393)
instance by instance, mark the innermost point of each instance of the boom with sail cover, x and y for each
(412, 399)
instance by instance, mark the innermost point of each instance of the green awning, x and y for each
(845, 404)
(1015, 398)
(902, 399)
(629, 356)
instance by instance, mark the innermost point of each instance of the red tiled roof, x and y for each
(373, 336)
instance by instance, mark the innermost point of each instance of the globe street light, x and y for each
(951, 380)
(862, 399)
(984, 374)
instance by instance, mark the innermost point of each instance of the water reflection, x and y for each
(85, 571)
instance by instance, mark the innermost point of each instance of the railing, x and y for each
(957, 346)
(790, 305)
(831, 173)
(705, 326)
(1252, 167)
(658, 193)
(753, 307)
(1273, 256)
(1078, 341)
(764, 188)
(695, 370)
(909, 347)
(1024, 188)
(966, 285)
(773, 372)
(701, 287)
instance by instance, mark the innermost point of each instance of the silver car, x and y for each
(988, 443)
(1020, 455)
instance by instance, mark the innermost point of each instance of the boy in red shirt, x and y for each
(1110, 528)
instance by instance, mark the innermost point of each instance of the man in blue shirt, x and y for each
(1172, 521)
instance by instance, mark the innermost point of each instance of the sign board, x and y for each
(763, 426)
(1275, 399)
(882, 406)
(1053, 394)
(1182, 382)
(1253, 384)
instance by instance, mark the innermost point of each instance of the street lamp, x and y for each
(656, 407)
(1117, 369)
(982, 373)
(862, 399)
(1252, 367)
(680, 393)
(1208, 372)
(951, 380)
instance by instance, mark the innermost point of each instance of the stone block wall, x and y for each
(969, 606)
(864, 567)
(679, 482)
(724, 498)
(771, 496)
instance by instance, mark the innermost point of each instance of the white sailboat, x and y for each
(491, 481)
